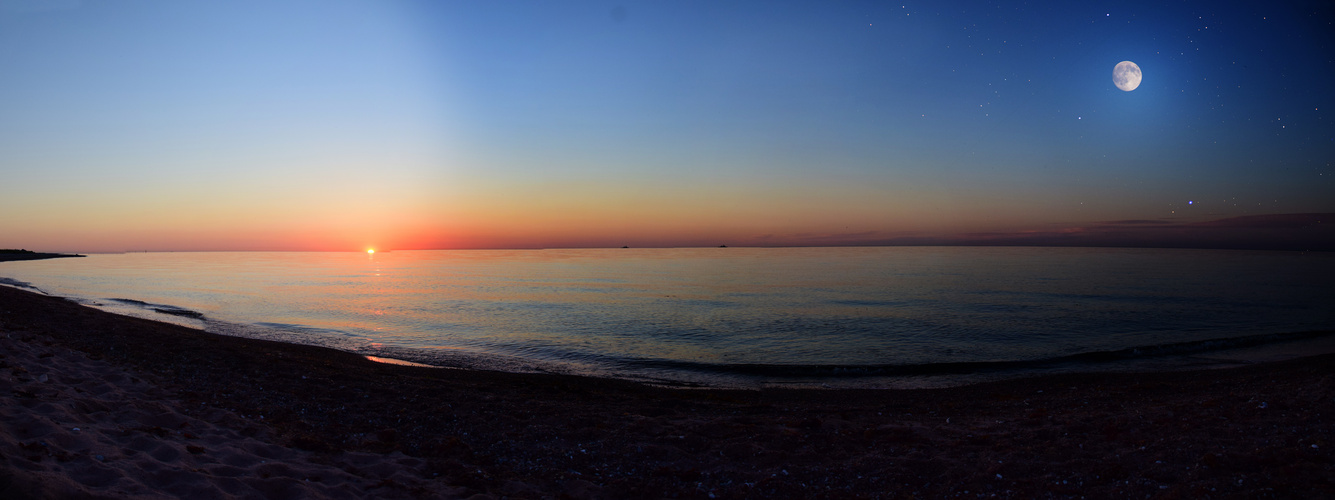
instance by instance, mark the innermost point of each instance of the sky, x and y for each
(130, 125)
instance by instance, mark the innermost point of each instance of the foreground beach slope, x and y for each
(94, 405)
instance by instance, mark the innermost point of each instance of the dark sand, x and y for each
(163, 410)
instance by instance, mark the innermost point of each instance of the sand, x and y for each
(94, 405)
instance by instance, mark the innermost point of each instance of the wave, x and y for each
(174, 311)
(162, 308)
(16, 283)
(782, 371)
(22, 285)
(302, 329)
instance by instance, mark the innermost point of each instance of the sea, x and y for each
(867, 317)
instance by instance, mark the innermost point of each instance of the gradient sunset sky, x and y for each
(342, 125)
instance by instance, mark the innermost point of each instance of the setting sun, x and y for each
(370, 250)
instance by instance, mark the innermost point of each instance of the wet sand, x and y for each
(98, 405)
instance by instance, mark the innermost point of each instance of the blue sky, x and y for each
(414, 124)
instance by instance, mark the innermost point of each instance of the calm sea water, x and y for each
(732, 316)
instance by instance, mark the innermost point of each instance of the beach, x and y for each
(98, 405)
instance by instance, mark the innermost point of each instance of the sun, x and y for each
(370, 251)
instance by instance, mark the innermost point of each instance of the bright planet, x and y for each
(1126, 76)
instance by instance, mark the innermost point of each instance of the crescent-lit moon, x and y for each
(1126, 76)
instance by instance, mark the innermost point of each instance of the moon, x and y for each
(1126, 76)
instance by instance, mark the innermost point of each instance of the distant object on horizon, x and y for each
(1126, 75)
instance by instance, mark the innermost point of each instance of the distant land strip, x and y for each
(12, 254)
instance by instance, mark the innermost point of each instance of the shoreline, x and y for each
(218, 406)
